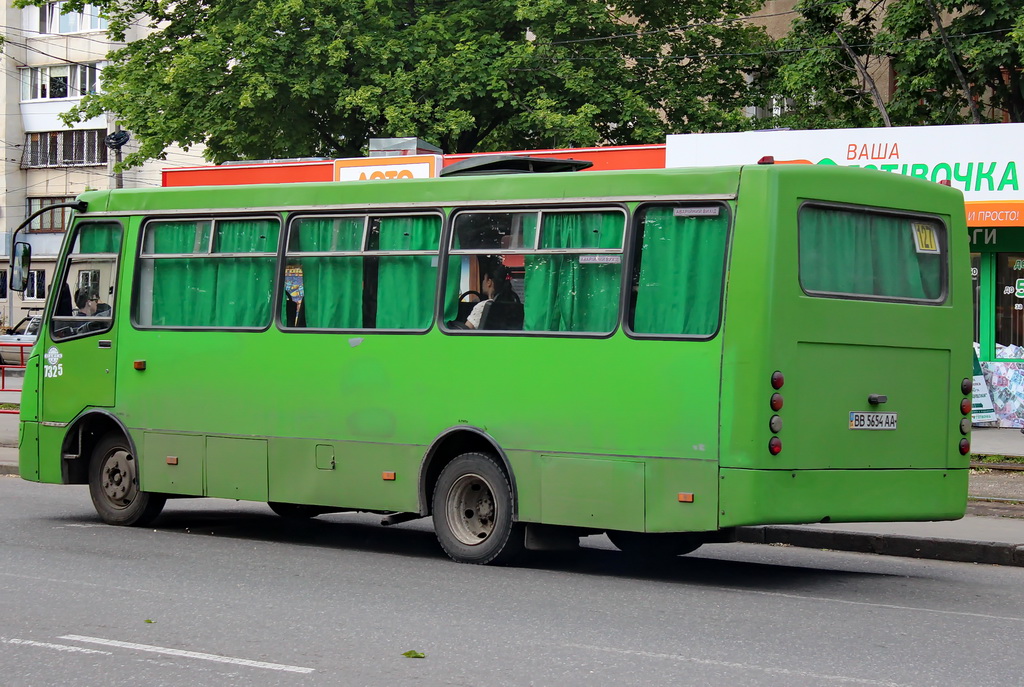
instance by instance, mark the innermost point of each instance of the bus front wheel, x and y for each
(472, 506)
(114, 485)
(655, 545)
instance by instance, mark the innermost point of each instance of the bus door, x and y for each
(78, 356)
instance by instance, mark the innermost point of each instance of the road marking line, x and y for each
(743, 666)
(58, 647)
(187, 654)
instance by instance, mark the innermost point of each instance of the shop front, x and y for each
(984, 161)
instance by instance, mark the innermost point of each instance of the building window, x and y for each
(58, 81)
(55, 220)
(53, 20)
(36, 287)
(65, 148)
(3, 284)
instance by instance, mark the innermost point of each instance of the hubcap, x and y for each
(470, 506)
(118, 478)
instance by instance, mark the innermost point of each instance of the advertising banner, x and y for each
(981, 402)
(982, 160)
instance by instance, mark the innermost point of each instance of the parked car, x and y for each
(25, 332)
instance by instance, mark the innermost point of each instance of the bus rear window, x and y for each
(871, 256)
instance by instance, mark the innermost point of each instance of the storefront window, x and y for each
(1009, 304)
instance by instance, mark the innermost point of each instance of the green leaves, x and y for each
(411, 653)
(975, 54)
(299, 78)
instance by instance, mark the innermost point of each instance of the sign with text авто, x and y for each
(381, 168)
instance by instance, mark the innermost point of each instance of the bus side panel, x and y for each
(753, 497)
(670, 486)
(591, 492)
(28, 451)
(172, 463)
(51, 440)
(360, 475)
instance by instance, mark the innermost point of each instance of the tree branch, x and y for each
(975, 113)
(867, 79)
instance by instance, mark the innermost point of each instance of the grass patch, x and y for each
(1019, 460)
(10, 406)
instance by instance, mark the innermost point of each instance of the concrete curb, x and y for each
(6, 469)
(959, 550)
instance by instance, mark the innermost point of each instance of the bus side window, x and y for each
(679, 270)
(559, 270)
(361, 272)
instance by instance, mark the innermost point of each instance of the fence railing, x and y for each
(12, 357)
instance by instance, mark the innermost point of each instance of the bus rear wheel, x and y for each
(655, 544)
(114, 485)
(472, 507)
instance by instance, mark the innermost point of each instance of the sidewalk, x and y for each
(991, 532)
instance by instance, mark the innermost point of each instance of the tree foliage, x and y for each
(938, 51)
(813, 81)
(928, 89)
(290, 78)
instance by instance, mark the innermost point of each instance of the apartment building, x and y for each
(51, 59)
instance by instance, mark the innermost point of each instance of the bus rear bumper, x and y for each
(771, 497)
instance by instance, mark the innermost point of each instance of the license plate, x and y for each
(860, 420)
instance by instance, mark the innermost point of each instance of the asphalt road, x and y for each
(227, 593)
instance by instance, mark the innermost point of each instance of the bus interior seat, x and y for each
(502, 315)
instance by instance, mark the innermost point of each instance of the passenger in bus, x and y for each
(86, 303)
(501, 309)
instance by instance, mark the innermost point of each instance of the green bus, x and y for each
(661, 355)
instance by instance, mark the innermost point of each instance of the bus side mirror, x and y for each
(21, 261)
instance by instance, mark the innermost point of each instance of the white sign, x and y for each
(384, 168)
(982, 160)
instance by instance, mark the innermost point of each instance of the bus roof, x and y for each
(615, 186)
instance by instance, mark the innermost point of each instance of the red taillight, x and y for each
(776, 402)
(775, 446)
(778, 379)
(967, 385)
(766, 160)
(965, 406)
(965, 447)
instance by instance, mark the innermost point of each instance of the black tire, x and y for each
(114, 485)
(296, 511)
(655, 545)
(473, 512)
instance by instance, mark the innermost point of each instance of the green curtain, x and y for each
(332, 286)
(99, 238)
(682, 260)
(566, 293)
(244, 285)
(182, 287)
(406, 283)
(865, 254)
(210, 291)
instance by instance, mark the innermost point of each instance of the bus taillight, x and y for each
(776, 402)
(965, 447)
(965, 406)
(966, 386)
(775, 446)
(778, 379)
